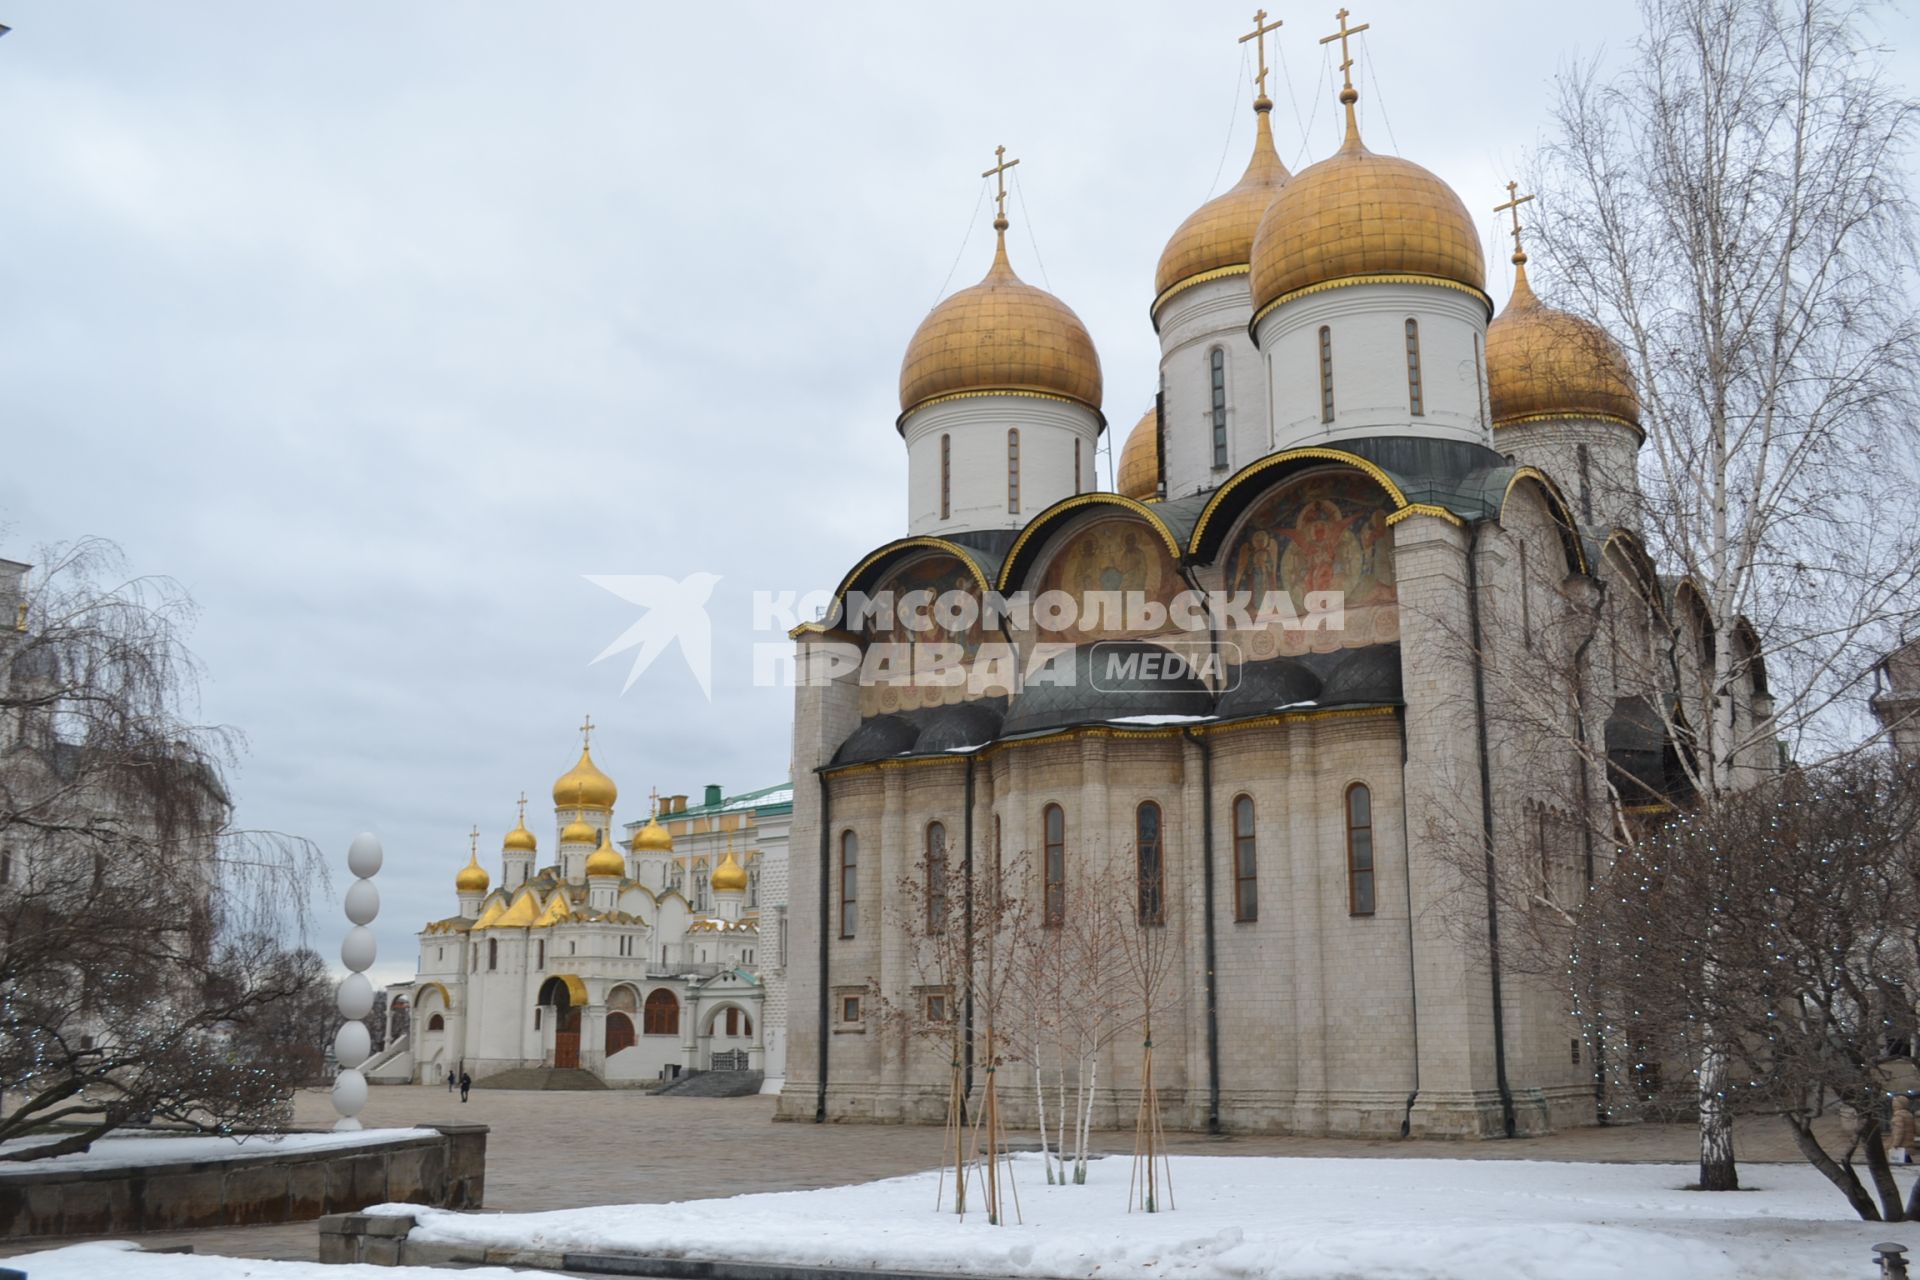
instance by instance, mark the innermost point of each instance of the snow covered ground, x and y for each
(119, 1259)
(1237, 1218)
(145, 1149)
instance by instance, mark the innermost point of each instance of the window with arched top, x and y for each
(1326, 374)
(1480, 381)
(849, 882)
(661, 1014)
(1416, 399)
(1076, 464)
(1013, 471)
(436, 1023)
(1150, 857)
(1053, 823)
(946, 477)
(619, 1032)
(1359, 850)
(493, 953)
(936, 877)
(1246, 883)
(1218, 369)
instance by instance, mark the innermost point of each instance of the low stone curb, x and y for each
(383, 1241)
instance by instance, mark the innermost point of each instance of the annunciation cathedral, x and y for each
(1342, 409)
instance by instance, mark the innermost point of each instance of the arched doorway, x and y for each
(621, 1007)
(662, 1013)
(558, 993)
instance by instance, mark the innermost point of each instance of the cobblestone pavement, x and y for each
(565, 1150)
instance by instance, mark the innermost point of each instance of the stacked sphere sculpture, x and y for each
(353, 1044)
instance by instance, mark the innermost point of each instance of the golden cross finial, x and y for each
(655, 796)
(473, 841)
(1514, 201)
(999, 175)
(1259, 36)
(586, 733)
(523, 808)
(1348, 94)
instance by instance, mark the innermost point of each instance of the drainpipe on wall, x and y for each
(1486, 827)
(1207, 892)
(1413, 969)
(826, 882)
(966, 872)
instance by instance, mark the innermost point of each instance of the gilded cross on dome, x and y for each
(654, 795)
(523, 808)
(1259, 36)
(586, 732)
(473, 838)
(1514, 201)
(999, 175)
(1347, 95)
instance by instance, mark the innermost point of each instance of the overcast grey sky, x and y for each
(380, 325)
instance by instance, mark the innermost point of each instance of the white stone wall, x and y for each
(1366, 324)
(1193, 324)
(977, 427)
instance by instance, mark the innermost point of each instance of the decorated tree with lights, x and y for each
(144, 939)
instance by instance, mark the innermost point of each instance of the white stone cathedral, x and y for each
(633, 961)
(1341, 415)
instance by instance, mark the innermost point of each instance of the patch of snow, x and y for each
(1288, 706)
(1161, 719)
(135, 1150)
(1238, 1218)
(124, 1260)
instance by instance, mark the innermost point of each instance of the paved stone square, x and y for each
(566, 1150)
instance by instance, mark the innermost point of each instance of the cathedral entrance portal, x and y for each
(563, 995)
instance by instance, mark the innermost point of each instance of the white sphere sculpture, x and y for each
(363, 855)
(353, 1043)
(363, 902)
(358, 950)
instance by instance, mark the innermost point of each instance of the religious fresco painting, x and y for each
(1109, 556)
(936, 575)
(1324, 533)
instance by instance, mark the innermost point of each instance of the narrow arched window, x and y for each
(1152, 863)
(936, 877)
(1480, 381)
(1013, 471)
(1359, 850)
(1219, 370)
(1076, 464)
(1416, 401)
(1054, 822)
(1246, 885)
(1326, 374)
(849, 882)
(493, 953)
(946, 477)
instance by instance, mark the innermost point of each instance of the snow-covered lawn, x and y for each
(120, 1260)
(1246, 1217)
(146, 1149)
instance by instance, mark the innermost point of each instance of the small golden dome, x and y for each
(606, 860)
(1219, 234)
(584, 786)
(520, 840)
(1360, 214)
(1546, 363)
(1000, 335)
(1138, 475)
(473, 877)
(729, 876)
(653, 838)
(578, 832)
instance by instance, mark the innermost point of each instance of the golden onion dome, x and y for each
(472, 877)
(1217, 238)
(1546, 363)
(520, 840)
(1000, 335)
(584, 786)
(606, 860)
(729, 876)
(652, 838)
(1360, 214)
(579, 831)
(1138, 475)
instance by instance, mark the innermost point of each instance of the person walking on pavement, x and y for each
(466, 1083)
(1900, 1138)
(453, 1080)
